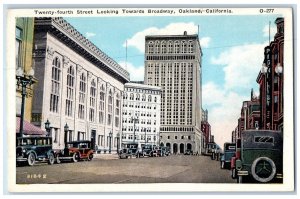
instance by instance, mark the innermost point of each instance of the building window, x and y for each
(191, 47)
(163, 47)
(149, 98)
(109, 116)
(183, 47)
(55, 139)
(131, 96)
(157, 47)
(81, 135)
(92, 101)
(101, 105)
(82, 90)
(177, 47)
(70, 92)
(70, 136)
(18, 47)
(170, 47)
(117, 111)
(144, 97)
(175, 137)
(55, 84)
(150, 47)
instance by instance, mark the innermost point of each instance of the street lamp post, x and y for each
(118, 142)
(66, 129)
(134, 119)
(23, 81)
(110, 137)
(47, 127)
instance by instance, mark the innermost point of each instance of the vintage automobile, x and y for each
(146, 150)
(75, 151)
(127, 152)
(229, 152)
(32, 149)
(261, 156)
(188, 152)
(235, 157)
(210, 146)
(165, 151)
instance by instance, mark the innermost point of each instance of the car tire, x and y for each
(58, 161)
(259, 165)
(222, 164)
(233, 173)
(240, 179)
(75, 157)
(31, 159)
(51, 159)
(90, 157)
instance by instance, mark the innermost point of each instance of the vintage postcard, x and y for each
(150, 99)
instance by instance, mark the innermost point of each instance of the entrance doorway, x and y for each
(93, 139)
(189, 146)
(175, 148)
(181, 148)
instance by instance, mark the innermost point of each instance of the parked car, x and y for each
(127, 152)
(236, 156)
(210, 146)
(32, 149)
(75, 151)
(146, 150)
(188, 152)
(156, 151)
(229, 152)
(261, 156)
(165, 151)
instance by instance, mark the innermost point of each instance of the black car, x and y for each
(188, 152)
(32, 149)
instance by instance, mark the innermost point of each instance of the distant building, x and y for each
(270, 80)
(79, 85)
(173, 62)
(141, 114)
(24, 48)
(205, 128)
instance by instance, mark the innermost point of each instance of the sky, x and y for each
(232, 46)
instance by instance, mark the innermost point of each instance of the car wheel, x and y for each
(90, 157)
(240, 179)
(58, 161)
(51, 159)
(222, 165)
(263, 169)
(233, 173)
(31, 159)
(75, 157)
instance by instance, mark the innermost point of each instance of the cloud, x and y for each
(204, 42)
(273, 30)
(241, 64)
(138, 40)
(224, 112)
(136, 72)
(89, 35)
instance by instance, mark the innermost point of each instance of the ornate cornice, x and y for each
(74, 39)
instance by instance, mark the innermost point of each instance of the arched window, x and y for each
(137, 97)
(131, 96)
(149, 98)
(117, 111)
(82, 92)
(157, 47)
(110, 100)
(55, 85)
(144, 97)
(177, 47)
(191, 47)
(92, 101)
(70, 91)
(101, 104)
(150, 47)
(163, 47)
(183, 47)
(170, 47)
(155, 99)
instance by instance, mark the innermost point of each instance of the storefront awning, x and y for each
(28, 128)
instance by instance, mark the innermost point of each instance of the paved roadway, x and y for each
(109, 169)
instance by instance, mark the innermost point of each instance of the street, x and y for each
(171, 169)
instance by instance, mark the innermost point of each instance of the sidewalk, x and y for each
(106, 156)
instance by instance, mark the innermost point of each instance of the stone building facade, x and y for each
(173, 62)
(79, 85)
(141, 114)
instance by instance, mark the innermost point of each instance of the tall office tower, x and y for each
(173, 62)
